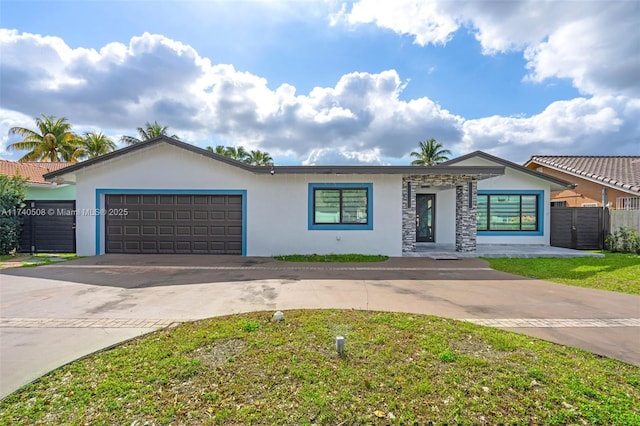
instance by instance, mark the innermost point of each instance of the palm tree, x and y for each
(95, 144)
(149, 131)
(259, 158)
(255, 157)
(236, 152)
(219, 149)
(431, 153)
(53, 141)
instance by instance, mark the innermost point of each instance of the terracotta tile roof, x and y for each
(617, 171)
(31, 170)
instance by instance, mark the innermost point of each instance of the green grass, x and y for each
(397, 369)
(346, 258)
(615, 272)
(39, 259)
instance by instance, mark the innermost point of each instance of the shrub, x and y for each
(12, 193)
(624, 240)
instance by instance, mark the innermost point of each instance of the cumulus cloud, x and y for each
(361, 119)
(595, 43)
(596, 126)
(337, 157)
(119, 87)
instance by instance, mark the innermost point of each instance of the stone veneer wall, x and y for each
(465, 216)
(466, 222)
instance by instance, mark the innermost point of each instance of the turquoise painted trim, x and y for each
(537, 233)
(243, 192)
(338, 227)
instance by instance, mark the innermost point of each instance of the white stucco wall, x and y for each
(514, 180)
(277, 206)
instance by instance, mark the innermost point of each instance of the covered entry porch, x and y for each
(450, 197)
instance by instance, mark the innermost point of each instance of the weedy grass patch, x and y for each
(614, 272)
(39, 259)
(396, 369)
(333, 258)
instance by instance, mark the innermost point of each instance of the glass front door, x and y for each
(425, 218)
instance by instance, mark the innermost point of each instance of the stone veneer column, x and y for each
(466, 222)
(409, 213)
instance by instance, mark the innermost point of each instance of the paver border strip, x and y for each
(162, 323)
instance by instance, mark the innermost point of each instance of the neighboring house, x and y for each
(610, 180)
(166, 196)
(48, 223)
(39, 188)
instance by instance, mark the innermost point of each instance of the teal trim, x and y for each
(540, 218)
(339, 227)
(242, 192)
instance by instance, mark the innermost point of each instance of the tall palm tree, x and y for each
(431, 153)
(259, 158)
(96, 143)
(53, 141)
(149, 131)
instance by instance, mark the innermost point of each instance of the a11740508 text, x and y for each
(63, 212)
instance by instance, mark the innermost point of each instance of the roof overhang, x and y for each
(556, 183)
(481, 172)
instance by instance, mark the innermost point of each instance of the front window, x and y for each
(508, 212)
(345, 206)
(340, 206)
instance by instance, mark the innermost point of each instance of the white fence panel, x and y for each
(624, 219)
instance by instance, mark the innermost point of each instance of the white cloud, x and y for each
(593, 43)
(597, 126)
(9, 119)
(338, 157)
(426, 21)
(361, 119)
(120, 87)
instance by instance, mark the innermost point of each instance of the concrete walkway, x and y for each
(51, 315)
(448, 251)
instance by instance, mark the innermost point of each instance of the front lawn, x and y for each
(397, 369)
(615, 272)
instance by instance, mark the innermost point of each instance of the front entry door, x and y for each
(425, 218)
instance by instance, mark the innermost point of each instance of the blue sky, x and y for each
(319, 82)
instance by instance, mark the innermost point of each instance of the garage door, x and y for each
(206, 224)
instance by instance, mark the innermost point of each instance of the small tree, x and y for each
(12, 193)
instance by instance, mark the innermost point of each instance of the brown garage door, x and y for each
(167, 223)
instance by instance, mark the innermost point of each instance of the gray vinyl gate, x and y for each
(580, 228)
(48, 227)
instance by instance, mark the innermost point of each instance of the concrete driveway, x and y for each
(51, 315)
